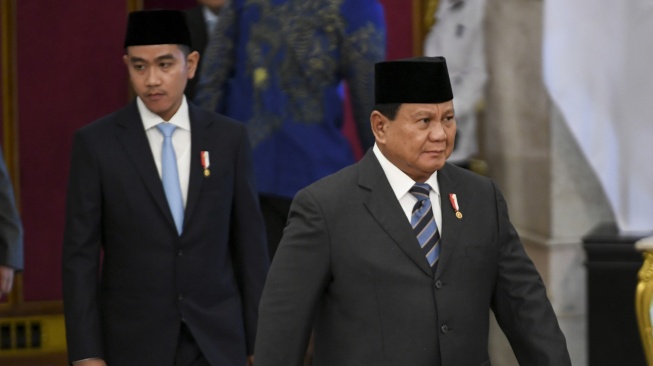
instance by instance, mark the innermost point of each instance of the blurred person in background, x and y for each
(457, 33)
(202, 23)
(11, 232)
(280, 67)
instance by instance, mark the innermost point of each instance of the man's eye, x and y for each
(165, 65)
(139, 67)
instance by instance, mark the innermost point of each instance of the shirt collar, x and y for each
(181, 119)
(209, 16)
(399, 181)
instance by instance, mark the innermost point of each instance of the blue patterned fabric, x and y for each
(279, 66)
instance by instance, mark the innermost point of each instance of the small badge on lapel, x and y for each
(205, 162)
(454, 204)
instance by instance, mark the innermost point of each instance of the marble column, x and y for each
(553, 196)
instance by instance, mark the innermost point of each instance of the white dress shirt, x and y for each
(180, 140)
(402, 183)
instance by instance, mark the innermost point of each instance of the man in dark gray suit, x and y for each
(164, 253)
(11, 232)
(398, 259)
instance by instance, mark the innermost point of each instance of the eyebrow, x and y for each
(427, 112)
(167, 56)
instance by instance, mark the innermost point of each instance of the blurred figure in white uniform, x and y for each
(458, 35)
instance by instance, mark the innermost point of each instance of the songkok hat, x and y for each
(150, 27)
(414, 80)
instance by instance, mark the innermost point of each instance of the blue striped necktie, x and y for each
(423, 223)
(170, 175)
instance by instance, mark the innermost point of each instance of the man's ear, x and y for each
(378, 122)
(125, 59)
(192, 61)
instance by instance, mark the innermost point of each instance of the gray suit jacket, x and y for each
(11, 230)
(350, 265)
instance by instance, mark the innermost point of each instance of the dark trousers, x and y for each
(188, 352)
(275, 211)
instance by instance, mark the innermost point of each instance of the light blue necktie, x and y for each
(423, 223)
(170, 175)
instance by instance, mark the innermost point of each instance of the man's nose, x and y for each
(152, 77)
(436, 132)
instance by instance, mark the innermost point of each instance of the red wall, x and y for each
(70, 72)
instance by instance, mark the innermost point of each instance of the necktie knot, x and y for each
(167, 129)
(420, 191)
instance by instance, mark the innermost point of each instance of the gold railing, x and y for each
(643, 297)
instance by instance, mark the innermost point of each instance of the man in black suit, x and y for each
(398, 259)
(202, 24)
(164, 254)
(11, 232)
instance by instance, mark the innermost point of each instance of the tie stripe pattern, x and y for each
(170, 175)
(423, 223)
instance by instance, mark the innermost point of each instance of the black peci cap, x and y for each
(414, 80)
(150, 27)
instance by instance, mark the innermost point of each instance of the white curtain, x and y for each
(598, 69)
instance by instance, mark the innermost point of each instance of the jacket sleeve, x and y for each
(297, 280)
(520, 302)
(81, 253)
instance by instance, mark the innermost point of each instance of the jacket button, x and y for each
(438, 284)
(180, 297)
(180, 253)
(444, 329)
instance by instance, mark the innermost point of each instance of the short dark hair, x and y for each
(388, 109)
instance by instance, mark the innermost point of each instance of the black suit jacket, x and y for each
(198, 38)
(129, 308)
(350, 262)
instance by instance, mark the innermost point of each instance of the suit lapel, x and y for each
(131, 135)
(386, 210)
(451, 225)
(199, 142)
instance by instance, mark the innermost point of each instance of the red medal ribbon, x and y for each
(454, 201)
(204, 155)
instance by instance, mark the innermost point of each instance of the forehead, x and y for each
(410, 109)
(154, 51)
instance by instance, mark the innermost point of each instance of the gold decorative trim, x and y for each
(423, 12)
(10, 118)
(643, 297)
(9, 92)
(134, 5)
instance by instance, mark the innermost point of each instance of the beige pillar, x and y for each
(553, 196)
